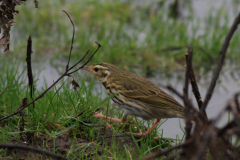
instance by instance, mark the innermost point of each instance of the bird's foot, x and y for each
(141, 134)
(100, 115)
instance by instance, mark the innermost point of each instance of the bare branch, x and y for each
(66, 73)
(29, 68)
(36, 4)
(220, 63)
(166, 151)
(193, 80)
(72, 40)
(40, 151)
(99, 45)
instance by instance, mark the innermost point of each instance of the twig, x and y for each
(66, 73)
(40, 151)
(22, 124)
(185, 88)
(29, 68)
(193, 80)
(192, 108)
(185, 94)
(99, 45)
(159, 153)
(236, 101)
(4, 90)
(225, 128)
(220, 63)
(207, 135)
(36, 4)
(72, 40)
(42, 94)
(172, 157)
(80, 60)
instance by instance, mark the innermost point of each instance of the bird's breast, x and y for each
(107, 86)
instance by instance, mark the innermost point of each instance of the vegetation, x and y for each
(52, 119)
(147, 36)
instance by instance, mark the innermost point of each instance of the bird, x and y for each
(135, 95)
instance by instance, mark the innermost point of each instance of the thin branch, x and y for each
(42, 94)
(207, 135)
(99, 46)
(72, 40)
(193, 80)
(220, 63)
(36, 4)
(40, 151)
(172, 157)
(166, 151)
(185, 88)
(80, 60)
(188, 126)
(192, 108)
(4, 90)
(236, 101)
(194, 83)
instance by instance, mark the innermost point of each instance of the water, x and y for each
(223, 92)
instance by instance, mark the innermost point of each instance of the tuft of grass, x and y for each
(52, 120)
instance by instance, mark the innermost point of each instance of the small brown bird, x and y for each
(136, 95)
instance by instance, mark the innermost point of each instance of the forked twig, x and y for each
(205, 135)
(66, 73)
(99, 45)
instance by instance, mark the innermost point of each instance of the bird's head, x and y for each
(101, 70)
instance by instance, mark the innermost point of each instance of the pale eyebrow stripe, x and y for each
(101, 67)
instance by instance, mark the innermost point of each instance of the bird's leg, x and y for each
(100, 115)
(142, 134)
(157, 121)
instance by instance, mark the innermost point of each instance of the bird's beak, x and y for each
(86, 69)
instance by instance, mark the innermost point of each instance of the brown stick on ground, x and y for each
(31, 149)
(166, 151)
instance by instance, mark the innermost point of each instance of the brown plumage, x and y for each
(136, 95)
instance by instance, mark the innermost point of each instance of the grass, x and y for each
(52, 120)
(132, 35)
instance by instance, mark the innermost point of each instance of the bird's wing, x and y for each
(146, 92)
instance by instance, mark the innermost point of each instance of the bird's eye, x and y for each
(95, 69)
